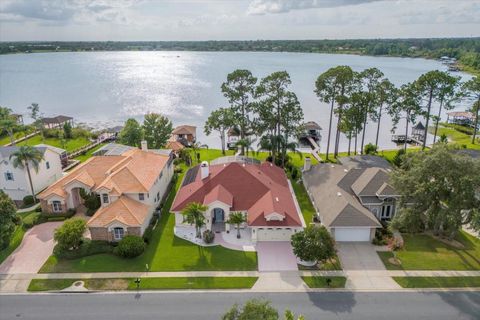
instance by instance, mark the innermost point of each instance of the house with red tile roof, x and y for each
(261, 191)
(130, 187)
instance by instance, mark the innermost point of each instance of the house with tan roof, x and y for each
(186, 135)
(261, 191)
(130, 186)
(351, 199)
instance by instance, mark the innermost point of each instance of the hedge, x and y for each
(87, 248)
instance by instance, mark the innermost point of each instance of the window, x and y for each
(105, 198)
(118, 233)
(57, 206)
(9, 176)
(141, 196)
(47, 164)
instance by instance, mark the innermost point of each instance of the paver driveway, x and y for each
(276, 256)
(363, 267)
(36, 247)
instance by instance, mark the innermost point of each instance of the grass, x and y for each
(170, 283)
(438, 282)
(49, 284)
(166, 252)
(211, 154)
(321, 282)
(18, 234)
(195, 283)
(70, 144)
(84, 157)
(423, 252)
(304, 202)
(457, 137)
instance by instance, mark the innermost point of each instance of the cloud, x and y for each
(261, 7)
(63, 11)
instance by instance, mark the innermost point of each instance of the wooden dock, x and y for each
(315, 150)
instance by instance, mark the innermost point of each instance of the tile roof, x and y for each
(133, 172)
(124, 210)
(258, 189)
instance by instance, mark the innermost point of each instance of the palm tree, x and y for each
(8, 123)
(23, 158)
(246, 145)
(194, 214)
(237, 218)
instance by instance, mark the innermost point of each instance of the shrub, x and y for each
(178, 170)
(130, 247)
(147, 235)
(87, 248)
(67, 130)
(53, 133)
(370, 149)
(80, 132)
(31, 220)
(17, 220)
(91, 200)
(70, 234)
(7, 215)
(28, 200)
(294, 173)
(208, 236)
(398, 158)
(38, 209)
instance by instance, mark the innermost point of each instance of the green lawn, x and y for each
(146, 283)
(438, 282)
(321, 282)
(17, 236)
(195, 283)
(457, 137)
(211, 154)
(88, 154)
(165, 253)
(70, 144)
(423, 252)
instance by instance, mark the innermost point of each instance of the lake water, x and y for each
(105, 88)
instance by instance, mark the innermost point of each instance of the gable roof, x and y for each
(133, 172)
(370, 181)
(124, 210)
(258, 189)
(185, 129)
(330, 188)
(56, 119)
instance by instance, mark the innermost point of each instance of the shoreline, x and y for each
(462, 67)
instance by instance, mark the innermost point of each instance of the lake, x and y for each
(105, 88)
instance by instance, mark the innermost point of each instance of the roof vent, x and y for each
(243, 164)
(339, 194)
(332, 166)
(276, 199)
(345, 170)
(271, 164)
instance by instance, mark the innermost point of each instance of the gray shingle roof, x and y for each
(329, 186)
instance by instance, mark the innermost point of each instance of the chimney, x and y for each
(144, 145)
(204, 170)
(307, 164)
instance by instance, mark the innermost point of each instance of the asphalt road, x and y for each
(199, 306)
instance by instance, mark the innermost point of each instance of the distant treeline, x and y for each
(465, 50)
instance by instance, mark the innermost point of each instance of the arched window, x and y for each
(118, 233)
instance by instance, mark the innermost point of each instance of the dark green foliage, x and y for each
(130, 247)
(91, 201)
(69, 235)
(208, 236)
(370, 149)
(67, 131)
(398, 158)
(252, 310)
(28, 200)
(131, 134)
(459, 128)
(87, 248)
(157, 129)
(7, 217)
(53, 133)
(313, 244)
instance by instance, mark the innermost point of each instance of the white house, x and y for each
(15, 182)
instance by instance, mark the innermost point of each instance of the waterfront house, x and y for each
(15, 182)
(56, 122)
(261, 191)
(185, 134)
(352, 199)
(130, 185)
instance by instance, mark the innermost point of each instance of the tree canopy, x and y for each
(157, 130)
(132, 133)
(7, 216)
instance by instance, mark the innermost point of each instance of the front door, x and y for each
(218, 215)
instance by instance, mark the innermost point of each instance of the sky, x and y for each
(145, 20)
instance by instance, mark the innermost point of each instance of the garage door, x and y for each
(274, 234)
(352, 234)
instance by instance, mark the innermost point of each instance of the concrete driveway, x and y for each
(363, 267)
(276, 256)
(36, 247)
